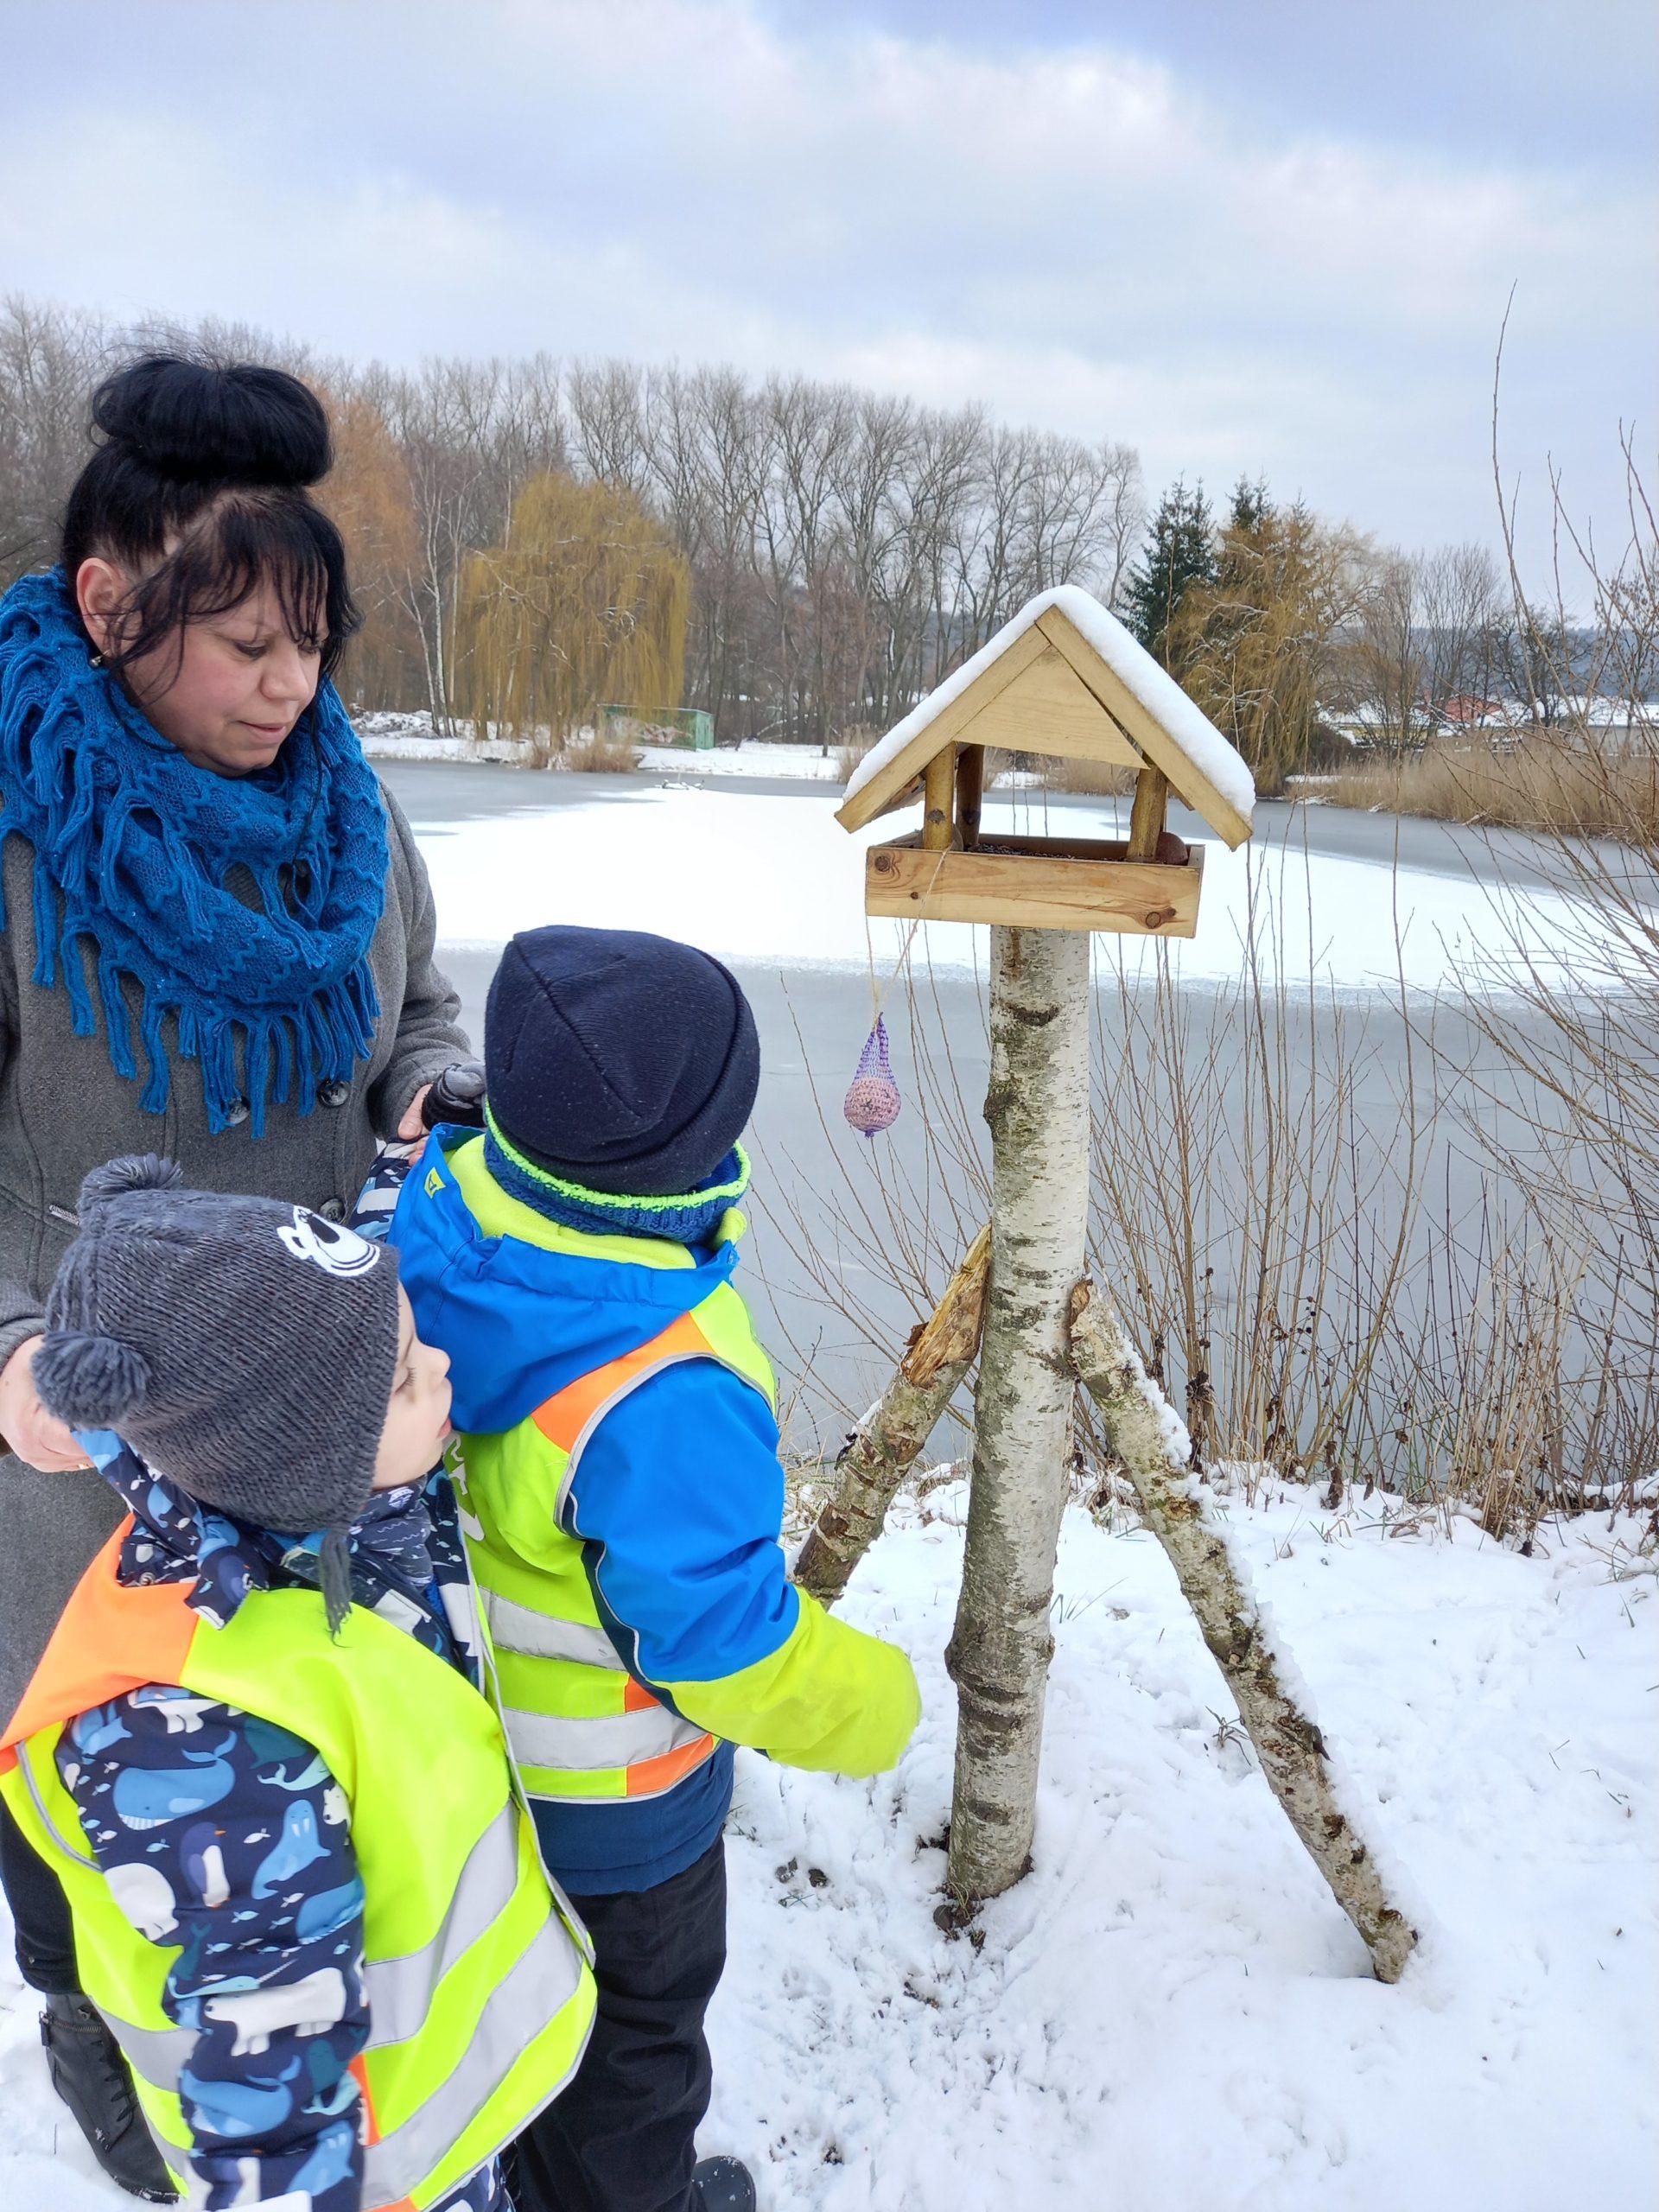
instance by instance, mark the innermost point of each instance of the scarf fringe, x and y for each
(133, 849)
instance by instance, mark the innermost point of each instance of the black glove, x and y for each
(457, 1095)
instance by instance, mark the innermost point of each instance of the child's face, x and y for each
(417, 1415)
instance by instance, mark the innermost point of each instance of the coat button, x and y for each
(238, 1112)
(334, 1094)
(333, 1209)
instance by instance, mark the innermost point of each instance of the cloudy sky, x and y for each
(1270, 236)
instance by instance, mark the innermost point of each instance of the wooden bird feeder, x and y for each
(1065, 680)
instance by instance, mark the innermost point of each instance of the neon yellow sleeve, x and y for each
(829, 1698)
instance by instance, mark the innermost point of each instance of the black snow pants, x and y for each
(620, 2137)
(40, 1912)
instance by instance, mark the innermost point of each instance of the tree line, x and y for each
(803, 560)
(843, 550)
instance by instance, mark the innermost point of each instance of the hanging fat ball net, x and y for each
(873, 1101)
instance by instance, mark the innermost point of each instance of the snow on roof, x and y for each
(1134, 667)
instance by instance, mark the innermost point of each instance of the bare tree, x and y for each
(846, 549)
(49, 359)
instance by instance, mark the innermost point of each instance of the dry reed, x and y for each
(1557, 786)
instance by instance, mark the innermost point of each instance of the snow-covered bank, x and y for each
(388, 736)
(775, 879)
(1170, 2010)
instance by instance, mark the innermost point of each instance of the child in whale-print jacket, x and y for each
(223, 1838)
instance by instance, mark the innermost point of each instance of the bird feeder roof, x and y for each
(1066, 679)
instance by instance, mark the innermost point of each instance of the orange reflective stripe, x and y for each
(567, 1411)
(358, 2071)
(636, 1698)
(111, 1638)
(647, 1777)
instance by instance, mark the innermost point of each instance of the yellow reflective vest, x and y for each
(480, 1995)
(580, 1725)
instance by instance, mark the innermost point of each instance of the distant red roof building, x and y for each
(1463, 710)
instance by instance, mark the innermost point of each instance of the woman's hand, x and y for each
(413, 1126)
(38, 1438)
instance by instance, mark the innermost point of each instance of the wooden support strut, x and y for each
(971, 794)
(892, 1434)
(1175, 1504)
(939, 781)
(1178, 1509)
(1147, 816)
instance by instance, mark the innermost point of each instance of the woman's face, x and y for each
(226, 691)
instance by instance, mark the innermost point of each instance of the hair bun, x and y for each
(134, 1171)
(89, 1380)
(243, 425)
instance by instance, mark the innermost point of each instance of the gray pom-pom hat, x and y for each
(243, 1347)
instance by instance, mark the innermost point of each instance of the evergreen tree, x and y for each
(1179, 552)
(1252, 508)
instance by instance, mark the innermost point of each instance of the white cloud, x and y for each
(1083, 238)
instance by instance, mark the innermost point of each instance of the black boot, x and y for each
(722, 2185)
(90, 2075)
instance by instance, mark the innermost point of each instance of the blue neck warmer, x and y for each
(690, 1219)
(134, 852)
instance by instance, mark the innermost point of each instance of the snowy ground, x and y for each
(1170, 2014)
(754, 876)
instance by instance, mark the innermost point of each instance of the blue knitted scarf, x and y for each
(135, 852)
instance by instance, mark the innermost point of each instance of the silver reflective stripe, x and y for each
(518, 2009)
(160, 2054)
(400, 1990)
(608, 1405)
(539, 1636)
(80, 1858)
(555, 1741)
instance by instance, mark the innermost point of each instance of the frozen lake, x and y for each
(760, 874)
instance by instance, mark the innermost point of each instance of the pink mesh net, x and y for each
(873, 1100)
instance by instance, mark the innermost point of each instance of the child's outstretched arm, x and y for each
(679, 1499)
(260, 1888)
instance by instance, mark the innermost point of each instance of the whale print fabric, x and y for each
(228, 1837)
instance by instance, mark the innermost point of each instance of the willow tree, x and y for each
(586, 603)
(1254, 645)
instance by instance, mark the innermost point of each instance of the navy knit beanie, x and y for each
(624, 1063)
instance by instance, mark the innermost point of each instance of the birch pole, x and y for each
(1142, 1428)
(1038, 1109)
(869, 1472)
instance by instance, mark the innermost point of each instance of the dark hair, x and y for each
(212, 462)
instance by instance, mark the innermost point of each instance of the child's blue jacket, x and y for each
(678, 1508)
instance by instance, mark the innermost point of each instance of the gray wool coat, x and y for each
(63, 1110)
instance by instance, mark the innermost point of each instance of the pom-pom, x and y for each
(134, 1171)
(89, 1380)
(873, 1101)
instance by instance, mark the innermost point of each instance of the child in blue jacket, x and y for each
(622, 1498)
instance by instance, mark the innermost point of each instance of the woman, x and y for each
(218, 942)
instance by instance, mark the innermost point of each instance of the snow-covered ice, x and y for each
(1170, 2010)
(773, 879)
